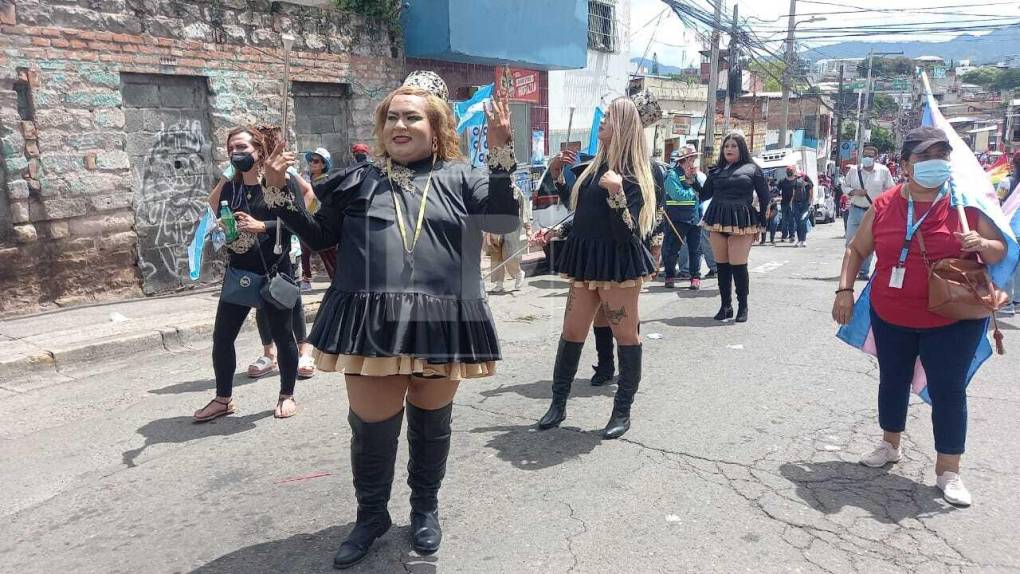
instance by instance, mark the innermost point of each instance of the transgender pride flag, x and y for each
(971, 187)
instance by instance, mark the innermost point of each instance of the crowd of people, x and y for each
(409, 319)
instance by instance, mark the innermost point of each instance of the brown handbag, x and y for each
(960, 288)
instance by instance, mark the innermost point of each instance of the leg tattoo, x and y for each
(615, 316)
(570, 299)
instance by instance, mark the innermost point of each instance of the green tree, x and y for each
(849, 131)
(1008, 80)
(885, 105)
(771, 72)
(883, 139)
(986, 77)
(385, 11)
(883, 67)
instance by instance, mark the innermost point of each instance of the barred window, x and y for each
(602, 25)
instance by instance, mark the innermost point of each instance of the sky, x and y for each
(676, 45)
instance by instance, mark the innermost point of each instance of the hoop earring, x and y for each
(435, 145)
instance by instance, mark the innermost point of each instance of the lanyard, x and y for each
(421, 211)
(913, 227)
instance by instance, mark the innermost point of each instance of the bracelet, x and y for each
(847, 290)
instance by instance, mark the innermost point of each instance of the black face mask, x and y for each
(242, 162)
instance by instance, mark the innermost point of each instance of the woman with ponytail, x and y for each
(604, 257)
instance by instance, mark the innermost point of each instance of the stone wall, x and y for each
(100, 184)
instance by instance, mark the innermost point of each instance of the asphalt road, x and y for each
(742, 457)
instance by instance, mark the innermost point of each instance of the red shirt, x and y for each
(908, 307)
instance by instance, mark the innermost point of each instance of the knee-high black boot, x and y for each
(626, 388)
(725, 292)
(606, 368)
(373, 452)
(428, 439)
(567, 357)
(743, 285)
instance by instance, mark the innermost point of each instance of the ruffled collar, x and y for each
(402, 176)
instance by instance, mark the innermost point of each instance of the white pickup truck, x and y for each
(806, 160)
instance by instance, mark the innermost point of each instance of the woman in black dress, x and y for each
(605, 259)
(733, 221)
(408, 319)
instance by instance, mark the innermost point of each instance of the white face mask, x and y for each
(868, 162)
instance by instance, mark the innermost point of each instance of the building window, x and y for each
(602, 25)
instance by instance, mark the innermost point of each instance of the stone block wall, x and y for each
(113, 116)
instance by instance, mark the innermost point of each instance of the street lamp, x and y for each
(786, 69)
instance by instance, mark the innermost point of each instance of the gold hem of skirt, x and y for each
(593, 285)
(401, 365)
(734, 230)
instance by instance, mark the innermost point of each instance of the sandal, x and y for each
(279, 412)
(261, 367)
(204, 414)
(306, 368)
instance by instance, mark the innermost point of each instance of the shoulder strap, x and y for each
(860, 178)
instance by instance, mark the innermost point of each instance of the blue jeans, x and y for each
(853, 221)
(800, 219)
(673, 249)
(788, 226)
(946, 353)
(706, 251)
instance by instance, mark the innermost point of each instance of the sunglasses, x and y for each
(315, 160)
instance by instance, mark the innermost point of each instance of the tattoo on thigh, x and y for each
(615, 316)
(570, 299)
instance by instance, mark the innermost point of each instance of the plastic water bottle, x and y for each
(219, 239)
(229, 223)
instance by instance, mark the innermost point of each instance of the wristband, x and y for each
(847, 290)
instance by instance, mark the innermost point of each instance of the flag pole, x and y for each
(933, 105)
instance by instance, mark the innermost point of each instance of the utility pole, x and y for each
(713, 86)
(734, 58)
(840, 110)
(862, 118)
(786, 74)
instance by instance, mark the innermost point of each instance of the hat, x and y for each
(324, 154)
(922, 138)
(430, 82)
(674, 155)
(687, 151)
(360, 148)
(648, 108)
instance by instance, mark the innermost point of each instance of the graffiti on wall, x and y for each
(173, 187)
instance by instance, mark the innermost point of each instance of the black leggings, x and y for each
(229, 320)
(298, 321)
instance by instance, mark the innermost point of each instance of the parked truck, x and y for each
(774, 162)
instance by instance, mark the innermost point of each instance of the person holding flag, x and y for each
(908, 227)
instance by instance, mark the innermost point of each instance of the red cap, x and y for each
(359, 148)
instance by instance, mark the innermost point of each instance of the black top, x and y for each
(735, 185)
(242, 252)
(429, 304)
(787, 187)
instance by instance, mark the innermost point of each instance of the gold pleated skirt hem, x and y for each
(401, 365)
(593, 285)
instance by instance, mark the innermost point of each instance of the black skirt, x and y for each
(737, 217)
(604, 259)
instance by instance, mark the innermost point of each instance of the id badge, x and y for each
(896, 279)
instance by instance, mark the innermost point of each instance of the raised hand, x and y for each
(277, 164)
(565, 157)
(611, 182)
(497, 115)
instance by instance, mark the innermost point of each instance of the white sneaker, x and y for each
(520, 281)
(953, 489)
(803, 243)
(881, 456)
(498, 287)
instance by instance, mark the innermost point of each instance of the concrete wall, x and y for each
(77, 206)
(605, 78)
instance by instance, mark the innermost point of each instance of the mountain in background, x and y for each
(664, 70)
(988, 49)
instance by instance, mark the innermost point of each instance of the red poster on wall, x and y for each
(520, 85)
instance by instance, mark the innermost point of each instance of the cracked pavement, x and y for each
(742, 457)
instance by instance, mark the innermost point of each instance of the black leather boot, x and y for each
(743, 285)
(567, 356)
(626, 388)
(428, 440)
(725, 292)
(606, 368)
(373, 452)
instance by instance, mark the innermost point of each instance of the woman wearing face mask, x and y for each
(614, 204)
(903, 327)
(251, 251)
(409, 320)
(733, 221)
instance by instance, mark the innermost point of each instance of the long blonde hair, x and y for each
(440, 116)
(627, 155)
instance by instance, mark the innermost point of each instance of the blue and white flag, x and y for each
(197, 245)
(472, 112)
(593, 138)
(971, 187)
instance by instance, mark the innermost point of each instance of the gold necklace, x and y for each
(400, 212)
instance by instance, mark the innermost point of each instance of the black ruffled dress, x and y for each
(391, 312)
(732, 190)
(604, 248)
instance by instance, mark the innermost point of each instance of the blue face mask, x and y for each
(932, 173)
(868, 161)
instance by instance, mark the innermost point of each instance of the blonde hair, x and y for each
(440, 116)
(627, 155)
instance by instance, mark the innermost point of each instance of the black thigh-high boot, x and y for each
(373, 452)
(568, 355)
(428, 440)
(606, 368)
(725, 292)
(743, 285)
(626, 388)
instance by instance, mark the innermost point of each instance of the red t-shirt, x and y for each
(908, 307)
